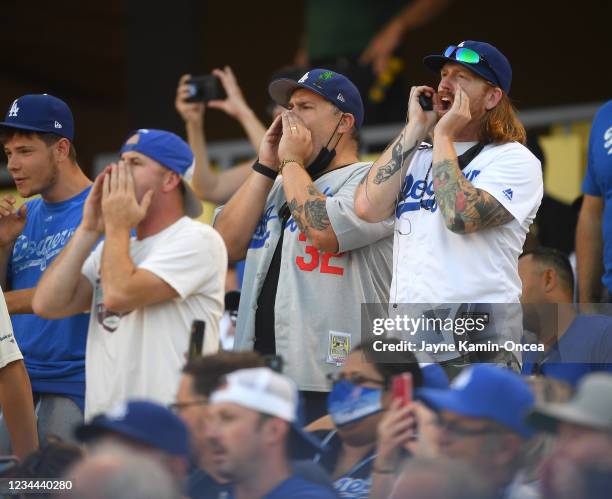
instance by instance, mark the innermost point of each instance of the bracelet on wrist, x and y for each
(264, 170)
(287, 161)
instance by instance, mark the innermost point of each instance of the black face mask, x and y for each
(325, 156)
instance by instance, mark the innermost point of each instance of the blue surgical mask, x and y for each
(347, 402)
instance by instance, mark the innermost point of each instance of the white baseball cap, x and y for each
(267, 392)
(262, 390)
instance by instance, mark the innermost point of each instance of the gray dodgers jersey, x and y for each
(318, 291)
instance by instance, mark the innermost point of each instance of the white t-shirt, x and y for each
(140, 354)
(433, 264)
(9, 351)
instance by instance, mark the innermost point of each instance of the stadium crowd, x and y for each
(124, 373)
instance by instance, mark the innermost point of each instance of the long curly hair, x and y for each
(501, 125)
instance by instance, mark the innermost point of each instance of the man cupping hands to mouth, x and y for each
(464, 204)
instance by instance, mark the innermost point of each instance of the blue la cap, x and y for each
(143, 421)
(172, 152)
(332, 86)
(486, 391)
(496, 68)
(41, 113)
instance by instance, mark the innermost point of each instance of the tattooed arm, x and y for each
(376, 196)
(307, 205)
(464, 207)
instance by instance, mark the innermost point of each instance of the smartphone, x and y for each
(274, 362)
(205, 88)
(196, 340)
(402, 388)
(426, 102)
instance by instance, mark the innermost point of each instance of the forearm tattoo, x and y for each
(312, 214)
(385, 172)
(464, 207)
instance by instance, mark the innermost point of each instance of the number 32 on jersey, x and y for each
(315, 259)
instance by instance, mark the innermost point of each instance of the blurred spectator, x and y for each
(594, 231)
(144, 291)
(426, 478)
(114, 472)
(200, 378)
(481, 422)
(306, 249)
(362, 39)
(144, 428)
(360, 394)
(574, 345)
(463, 206)
(581, 463)
(208, 185)
(555, 223)
(253, 416)
(38, 135)
(15, 391)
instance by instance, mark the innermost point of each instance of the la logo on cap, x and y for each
(58, 124)
(14, 109)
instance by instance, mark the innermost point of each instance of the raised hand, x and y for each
(457, 117)
(120, 208)
(92, 210)
(268, 150)
(11, 222)
(296, 142)
(191, 112)
(234, 104)
(425, 120)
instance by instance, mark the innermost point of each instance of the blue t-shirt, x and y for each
(354, 483)
(598, 179)
(53, 350)
(200, 485)
(585, 347)
(298, 488)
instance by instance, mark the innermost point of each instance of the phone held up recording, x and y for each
(205, 88)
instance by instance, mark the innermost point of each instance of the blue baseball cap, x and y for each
(172, 152)
(486, 391)
(144, 422)
(492, 65)
(332, 86)
(434, 376)
(40, 113)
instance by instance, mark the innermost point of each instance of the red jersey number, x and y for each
(314, 257)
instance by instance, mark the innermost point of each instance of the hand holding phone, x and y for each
(426, 102)
(205, 88)
(402, 388)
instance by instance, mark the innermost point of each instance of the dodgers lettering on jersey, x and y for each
(348, 487)
(415, 191)
(29, 253)
(313, 284)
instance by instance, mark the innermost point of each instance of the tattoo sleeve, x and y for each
(312, 214)
(386, 171)
(464, 207)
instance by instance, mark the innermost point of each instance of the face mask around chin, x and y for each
(321, 162)
(348, 402)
